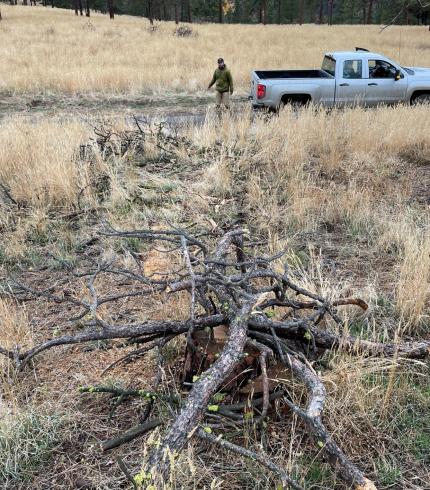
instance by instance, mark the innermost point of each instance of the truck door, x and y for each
(382, 86)
(351, 84)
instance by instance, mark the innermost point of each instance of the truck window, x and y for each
(329, 65)
(381, 69)
(353, 69)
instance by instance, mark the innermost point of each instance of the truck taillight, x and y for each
(261, 91)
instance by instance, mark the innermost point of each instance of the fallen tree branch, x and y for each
(130, 434)
(198, 399)
(228, 288)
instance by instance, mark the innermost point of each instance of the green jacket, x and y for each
(223, 79)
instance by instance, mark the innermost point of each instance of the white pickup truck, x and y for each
(347, 78)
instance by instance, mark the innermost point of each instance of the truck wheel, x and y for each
(421, 99)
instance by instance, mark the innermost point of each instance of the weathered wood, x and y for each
(198, 399)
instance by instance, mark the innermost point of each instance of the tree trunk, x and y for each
(220, 11)
(150, 13)
(263, 6)
(81, 10)
(87, 8)
(321, 12)
(370, 12)
(279, 11)
(111, 9)
(176, 12)
(301, 11)
(364, 11)
(330, 16)
(76, 7)
(24, 2)
(189, 16)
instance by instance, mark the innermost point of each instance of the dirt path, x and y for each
(174, 109)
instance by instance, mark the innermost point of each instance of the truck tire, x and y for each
(421, 99)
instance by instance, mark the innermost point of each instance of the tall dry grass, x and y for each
(53, 51)
(351, 171)
(413, 287)
(38, 162)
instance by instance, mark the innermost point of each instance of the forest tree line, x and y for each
(255, 11)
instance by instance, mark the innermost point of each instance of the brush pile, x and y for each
(268, 321)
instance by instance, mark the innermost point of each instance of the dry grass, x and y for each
(345, 191)
(413, 288)
(350, 172)
(38, 162)
(15, 330)
(53, 51)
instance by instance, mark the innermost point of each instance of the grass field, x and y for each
(52, 51)
(347, 193)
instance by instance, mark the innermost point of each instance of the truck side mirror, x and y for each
(397, 75)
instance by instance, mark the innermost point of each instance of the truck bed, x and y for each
(279, 74)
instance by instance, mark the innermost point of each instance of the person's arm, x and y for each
(212, 81)
(230, 81)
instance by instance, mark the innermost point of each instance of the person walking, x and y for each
(224, 84)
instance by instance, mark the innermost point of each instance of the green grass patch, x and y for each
(26, 442)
